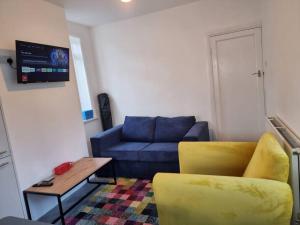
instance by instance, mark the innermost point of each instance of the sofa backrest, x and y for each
(156, 129)
(172, 129)
(269, 160)
(138, 129)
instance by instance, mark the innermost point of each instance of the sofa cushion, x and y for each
(172, 129)
(125, 151)
(269, 160)
(159, 152)
(139, 129)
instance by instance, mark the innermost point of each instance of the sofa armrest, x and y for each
(106, 139)
(217, 200)
(199, 132)
(215, 158)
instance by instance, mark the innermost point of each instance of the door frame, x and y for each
(255, 30)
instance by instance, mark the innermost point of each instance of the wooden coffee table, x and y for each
(81, 171)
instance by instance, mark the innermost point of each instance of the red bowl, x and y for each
(61, 169)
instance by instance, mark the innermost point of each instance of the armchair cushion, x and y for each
(215, 158)
(172, 129)
(139, 129)
(269, 160)
(218, 200)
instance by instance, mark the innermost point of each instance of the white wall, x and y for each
(44, 120)
(281, 35)
(158, 64)
(84, 33)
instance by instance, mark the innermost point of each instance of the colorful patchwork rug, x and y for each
(130, 202)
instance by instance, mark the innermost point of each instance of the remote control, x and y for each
(43, 184)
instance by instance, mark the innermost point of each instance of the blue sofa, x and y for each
(143, 146)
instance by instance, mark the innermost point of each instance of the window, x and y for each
(82, 83)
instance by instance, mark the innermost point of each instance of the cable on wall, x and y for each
(10, 62)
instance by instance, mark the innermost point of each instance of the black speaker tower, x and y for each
(105, 111)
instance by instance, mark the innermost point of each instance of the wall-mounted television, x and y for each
(41, 63)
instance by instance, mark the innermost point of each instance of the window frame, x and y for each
(80, 57)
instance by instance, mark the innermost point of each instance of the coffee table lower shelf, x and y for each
(62, 213)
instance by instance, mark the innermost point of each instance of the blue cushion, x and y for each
(172, 129)
(125, 151)
(160, 152)
(139, 129)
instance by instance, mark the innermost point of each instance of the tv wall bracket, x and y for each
(7, 60)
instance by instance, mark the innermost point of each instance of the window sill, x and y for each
(90, 120)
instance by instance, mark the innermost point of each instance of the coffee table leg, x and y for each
(61, 212)
(114, 171)
(27, 205)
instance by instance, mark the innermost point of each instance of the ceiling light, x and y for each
(126, 1)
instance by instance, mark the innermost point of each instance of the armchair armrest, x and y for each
(105, 140)
(199, 132)
(215, 158)
(216, 200)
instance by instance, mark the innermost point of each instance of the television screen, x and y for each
(41, 63)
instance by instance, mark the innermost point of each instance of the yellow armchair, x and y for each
(260, 197)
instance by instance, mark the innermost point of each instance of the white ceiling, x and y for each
(99, 12)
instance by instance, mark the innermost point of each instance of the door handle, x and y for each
(4, 164)
(259, 74)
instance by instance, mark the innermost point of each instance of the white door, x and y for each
(10, 203)
(4, 147)
(238, 85)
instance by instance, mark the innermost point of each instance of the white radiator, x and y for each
(291, 143)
